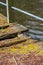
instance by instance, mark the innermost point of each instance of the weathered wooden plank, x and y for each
(12, 30)
(13, 41)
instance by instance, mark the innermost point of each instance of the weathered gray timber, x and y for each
(12, 30)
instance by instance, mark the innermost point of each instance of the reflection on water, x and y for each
(35, 7)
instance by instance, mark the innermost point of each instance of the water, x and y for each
(32, 6)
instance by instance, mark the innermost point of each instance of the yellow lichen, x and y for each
(33, 47)
(23, 49)
(30, 48)
(5, 30)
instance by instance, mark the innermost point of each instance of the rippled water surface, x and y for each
(32, 6)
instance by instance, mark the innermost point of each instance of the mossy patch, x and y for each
(30, 48)
(22, 49)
